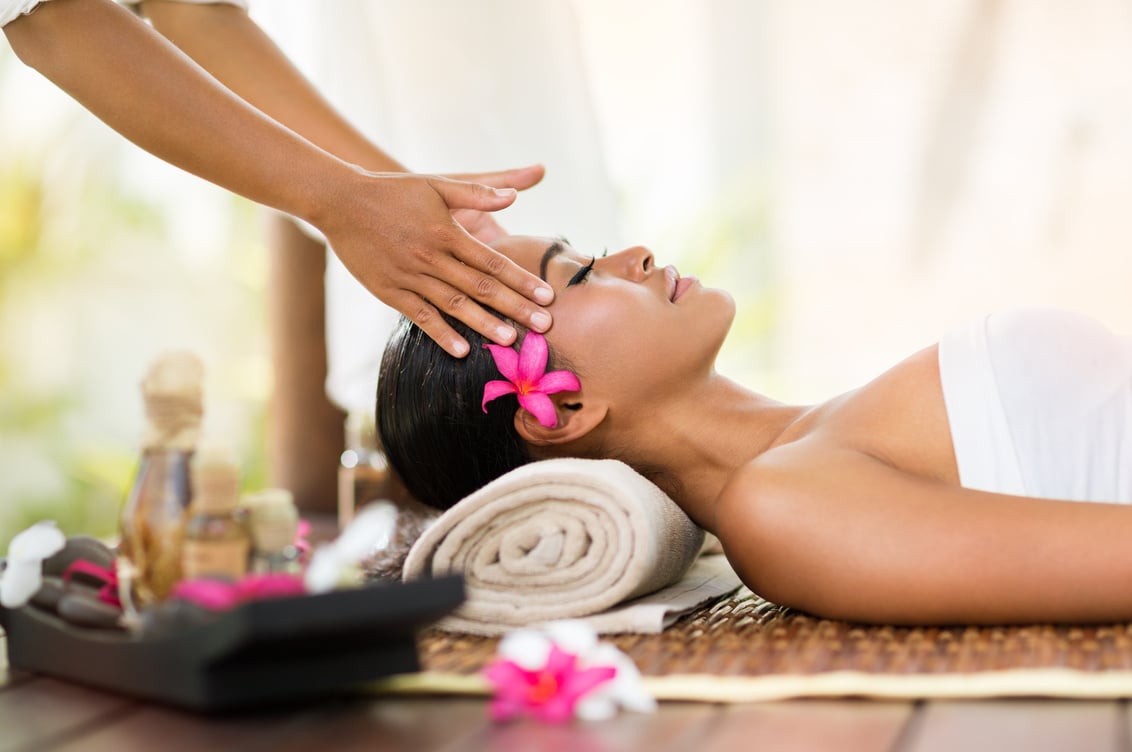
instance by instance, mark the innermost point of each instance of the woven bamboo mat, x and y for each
(743, 648)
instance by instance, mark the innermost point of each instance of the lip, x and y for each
(672, 282)
(682, 286)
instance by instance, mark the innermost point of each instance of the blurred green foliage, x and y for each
(47, 475)
(95, 279)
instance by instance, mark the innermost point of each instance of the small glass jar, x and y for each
(273, 521)
(216, 540)
(152, 522)
(363, 472)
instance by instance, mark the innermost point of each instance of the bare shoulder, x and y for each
(900, 418)
(777, 503)
(840, 533)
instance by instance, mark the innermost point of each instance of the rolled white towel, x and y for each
(557, 539)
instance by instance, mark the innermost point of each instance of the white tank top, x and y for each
(1040, 404)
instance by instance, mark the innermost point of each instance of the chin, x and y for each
(722, 302)
(721, 306)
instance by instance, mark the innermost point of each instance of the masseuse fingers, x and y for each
(425, 262)
(492, 266)
(519, 178)
(459, 195)
(479, 224)
(488, 277)
(445, 293)
(424, 314)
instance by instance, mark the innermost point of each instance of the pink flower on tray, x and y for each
(220, 595)
(562, 672)
(526, 376)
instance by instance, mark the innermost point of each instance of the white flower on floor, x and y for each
(562, 671)
(23, 575)
(336, 564)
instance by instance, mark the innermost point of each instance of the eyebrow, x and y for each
(551, 251)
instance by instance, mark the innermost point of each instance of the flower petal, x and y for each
(506, 360)
(595, 707)
(540, 406)
(21, 580)
(325, 569)
(632, 696)
(532, 358)
(494, 390)
(509, 679)
(503, 710)
(558, 381)
(273, 585)
(557, 709)
(528, 648)
(627, 688)
(560, 663)
(369, 532)
(572, 635)
(577, 683)
(38, 542)
(215, 595)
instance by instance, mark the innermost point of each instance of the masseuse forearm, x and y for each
(147, 90)
(231, 46)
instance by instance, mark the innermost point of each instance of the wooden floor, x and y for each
(39, 713)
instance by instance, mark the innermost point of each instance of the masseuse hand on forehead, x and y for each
(437, 259)
(254, 125)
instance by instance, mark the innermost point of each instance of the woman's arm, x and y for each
(393, 231)
(226, 42)
(840, 534)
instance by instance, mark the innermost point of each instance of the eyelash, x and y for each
(581, 274)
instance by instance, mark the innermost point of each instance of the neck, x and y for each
(692, 448)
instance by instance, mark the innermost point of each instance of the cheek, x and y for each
(599, 339)
(620, 341)
(619, 347)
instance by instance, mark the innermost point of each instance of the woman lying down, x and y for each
(946, 490)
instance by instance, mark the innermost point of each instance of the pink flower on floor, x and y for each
(548, 693)
(526, 376)
(562, 671)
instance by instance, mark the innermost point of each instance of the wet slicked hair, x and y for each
(435, 434)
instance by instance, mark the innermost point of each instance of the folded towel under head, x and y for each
(557, 539)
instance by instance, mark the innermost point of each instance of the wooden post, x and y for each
(305, 430)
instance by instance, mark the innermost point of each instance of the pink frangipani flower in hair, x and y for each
(526, 376)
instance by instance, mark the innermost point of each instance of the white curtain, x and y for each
(640, 111)
(453, 87)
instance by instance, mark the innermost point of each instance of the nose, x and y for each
(635, 262)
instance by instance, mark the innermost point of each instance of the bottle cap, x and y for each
(216, 480)
(174, 401)
(273, 518)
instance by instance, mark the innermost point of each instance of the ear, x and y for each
(576, 418)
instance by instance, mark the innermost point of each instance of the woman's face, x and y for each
(632, 329)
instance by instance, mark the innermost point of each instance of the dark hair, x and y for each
(434, 431)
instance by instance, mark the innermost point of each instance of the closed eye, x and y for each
(581, 274)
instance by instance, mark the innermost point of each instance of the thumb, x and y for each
(460, 195)
(519, 178)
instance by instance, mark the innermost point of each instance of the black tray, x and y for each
(262, 652)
